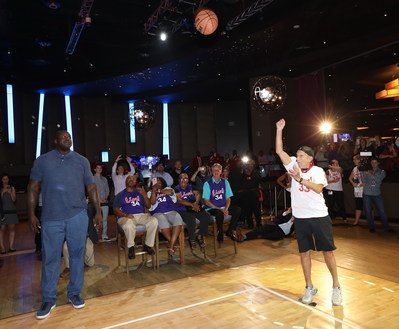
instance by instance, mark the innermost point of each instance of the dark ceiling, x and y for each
(356, 42)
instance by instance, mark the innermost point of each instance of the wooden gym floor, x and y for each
(259, 287)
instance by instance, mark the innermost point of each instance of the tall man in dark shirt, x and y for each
(62, 176)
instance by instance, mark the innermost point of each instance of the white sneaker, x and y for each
(336, 296)
(308, 296)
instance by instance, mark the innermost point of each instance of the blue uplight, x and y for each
(10, 115)
(165, 131)
(39, 126)
(68, 117)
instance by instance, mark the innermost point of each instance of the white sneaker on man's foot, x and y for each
(336, 296)
(308, 296)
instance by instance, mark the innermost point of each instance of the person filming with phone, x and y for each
(200, 177)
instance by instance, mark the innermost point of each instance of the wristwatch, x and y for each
(300, 180)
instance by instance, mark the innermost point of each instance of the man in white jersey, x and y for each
(312, 224)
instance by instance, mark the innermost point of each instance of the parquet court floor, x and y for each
(260, 295)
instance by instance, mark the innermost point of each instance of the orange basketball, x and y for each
(205, 21)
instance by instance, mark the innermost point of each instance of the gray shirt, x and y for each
(372, 183)
(102, 186)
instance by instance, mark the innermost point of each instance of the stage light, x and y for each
(165, 130)
(163, 36)
(325, 128)
(244, 159)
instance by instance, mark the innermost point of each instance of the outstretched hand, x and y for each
(280, 124)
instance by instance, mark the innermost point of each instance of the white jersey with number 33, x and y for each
(305, 202)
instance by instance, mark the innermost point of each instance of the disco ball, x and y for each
(142, 115)
(268, 93)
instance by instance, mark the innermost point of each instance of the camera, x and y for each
(364, 161)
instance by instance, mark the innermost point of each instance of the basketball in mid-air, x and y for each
(205, 21)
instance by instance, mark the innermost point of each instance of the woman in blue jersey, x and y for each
(163, 207)
(189, 208)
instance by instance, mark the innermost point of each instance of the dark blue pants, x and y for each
(379, 204)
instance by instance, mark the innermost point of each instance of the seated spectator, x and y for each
(390, 157)
(190, 209)
(217, 198)
(92, 237)
(201, 176)
(118, 174)
(129, 208)
(372, 180)
(89, 256)
(283, 228)
(334, 192)
(175, 173)
(159, 171)
(163, 207)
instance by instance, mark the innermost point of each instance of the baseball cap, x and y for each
(308, 150)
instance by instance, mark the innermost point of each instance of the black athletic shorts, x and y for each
(359, 203)
(314, 233)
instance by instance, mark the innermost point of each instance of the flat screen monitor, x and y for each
(146, 162)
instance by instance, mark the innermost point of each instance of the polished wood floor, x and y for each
(257, 287)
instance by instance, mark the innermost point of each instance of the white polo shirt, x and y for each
(305, 202)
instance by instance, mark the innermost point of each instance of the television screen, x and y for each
(145, 163)
(345, 137)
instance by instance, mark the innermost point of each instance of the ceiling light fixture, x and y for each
(391, 90)
(52, 4)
